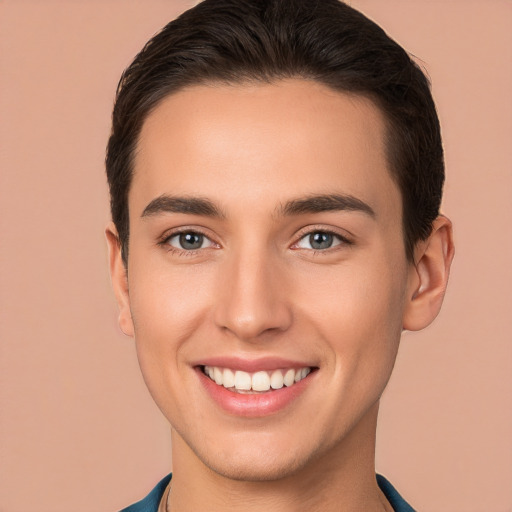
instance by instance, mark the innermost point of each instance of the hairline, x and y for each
(246, 79)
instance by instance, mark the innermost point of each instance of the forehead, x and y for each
(265, 141)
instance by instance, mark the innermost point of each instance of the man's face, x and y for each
(266, 239)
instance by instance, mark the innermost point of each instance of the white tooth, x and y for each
(217, 376)
(304, 372)
(228, 378)
(289, 377)
(298, 374)
(276, 380)
(260, 381)
(242, 380)
(211, 372)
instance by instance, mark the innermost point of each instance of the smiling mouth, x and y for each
(242, 382)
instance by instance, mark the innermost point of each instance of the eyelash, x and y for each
(343, 241)
(164, 242)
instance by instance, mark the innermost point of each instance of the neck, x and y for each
(343, 479)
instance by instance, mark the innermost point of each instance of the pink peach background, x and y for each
(78, 430)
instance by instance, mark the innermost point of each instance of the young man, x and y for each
(276, 171)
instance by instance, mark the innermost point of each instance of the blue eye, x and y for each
(189, 241)
(319, 240)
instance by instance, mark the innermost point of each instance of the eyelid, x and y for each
(170, 233)
(177, 235)
(344, 238)
(341, 235)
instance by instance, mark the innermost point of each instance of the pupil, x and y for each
(320, 240)
(191, 240)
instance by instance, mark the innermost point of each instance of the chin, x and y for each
(255, 456)
(257, 469)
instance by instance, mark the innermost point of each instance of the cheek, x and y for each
(166, 301)
(167, 306)
(358, 310)
(376, 334)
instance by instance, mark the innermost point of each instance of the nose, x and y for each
(254, 298)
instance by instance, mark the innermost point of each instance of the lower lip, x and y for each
(253, 405)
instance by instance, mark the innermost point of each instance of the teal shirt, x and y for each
(151, 502)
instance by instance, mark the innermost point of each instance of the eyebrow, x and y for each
(310, 204)
(175, 204)
(326, 203)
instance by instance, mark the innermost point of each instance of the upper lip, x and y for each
(252, 365)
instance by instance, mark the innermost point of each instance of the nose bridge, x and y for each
(252, 298)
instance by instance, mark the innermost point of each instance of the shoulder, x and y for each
(392, 495)
(151, 502)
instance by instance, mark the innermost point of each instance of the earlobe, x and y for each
(428, 277)
(118, 275)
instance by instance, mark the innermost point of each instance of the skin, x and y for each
(256, 288)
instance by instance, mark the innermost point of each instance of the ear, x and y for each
(428, 276)
(119, 276)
